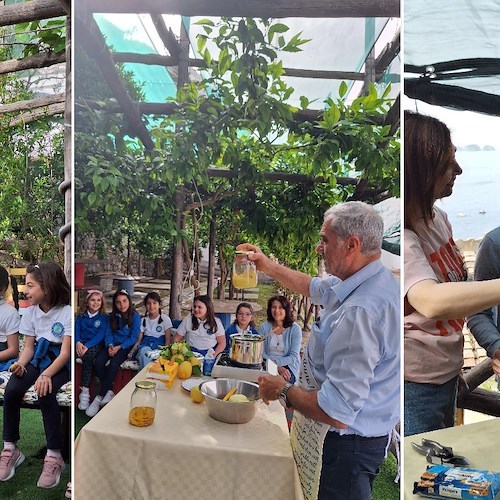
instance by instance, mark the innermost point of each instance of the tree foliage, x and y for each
(31, 170)
(238, 118)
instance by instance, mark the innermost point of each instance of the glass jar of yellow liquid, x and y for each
(244, 271)
(143, 403)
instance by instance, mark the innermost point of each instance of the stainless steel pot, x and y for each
(246, 349)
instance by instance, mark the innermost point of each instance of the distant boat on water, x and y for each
(461, 214)
(482, 211)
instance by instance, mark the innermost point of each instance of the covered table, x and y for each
(184, 454)
(478, 442)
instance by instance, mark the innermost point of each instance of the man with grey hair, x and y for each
(347, 400)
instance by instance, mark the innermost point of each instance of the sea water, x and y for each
(474, 207)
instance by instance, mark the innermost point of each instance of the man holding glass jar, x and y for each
(347, 400)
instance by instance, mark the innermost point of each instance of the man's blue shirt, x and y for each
(355, 350)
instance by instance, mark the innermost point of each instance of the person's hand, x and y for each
(496, 362)
(131, 353)
(81, 349)
(270, 387)
(285, 373)
(112, 350)
(43, 385)
(17, 369)
(257, 256)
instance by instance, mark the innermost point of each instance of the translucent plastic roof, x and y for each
(450, 30)
(336, 45)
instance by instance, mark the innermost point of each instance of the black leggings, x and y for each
(88, 364)
(13, 397)
(107, 373)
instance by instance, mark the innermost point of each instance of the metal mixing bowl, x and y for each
(227, 411)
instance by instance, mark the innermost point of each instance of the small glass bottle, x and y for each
(143, 403)
(244, 271)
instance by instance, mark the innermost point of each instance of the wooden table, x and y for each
(184, 454)
(479, 442)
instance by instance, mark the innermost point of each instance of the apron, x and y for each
(307, 437)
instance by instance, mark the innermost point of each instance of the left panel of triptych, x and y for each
(36, 315)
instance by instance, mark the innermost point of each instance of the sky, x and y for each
(466, 127)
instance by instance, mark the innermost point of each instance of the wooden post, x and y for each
(211, 257)
(65, 187)
(177, 261)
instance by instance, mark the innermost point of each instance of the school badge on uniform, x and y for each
(58, 329)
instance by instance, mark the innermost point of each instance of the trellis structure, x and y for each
(179, 63)
(26, 111)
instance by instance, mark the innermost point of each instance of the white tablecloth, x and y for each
(479, 442)
(185, 454)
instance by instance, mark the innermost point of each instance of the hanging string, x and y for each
(197, 221)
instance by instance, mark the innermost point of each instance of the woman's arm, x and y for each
(28, 350)
(221, 344)
(12, 350)
(453, 299)
(43, 384)
(136, 345)
(168, 335)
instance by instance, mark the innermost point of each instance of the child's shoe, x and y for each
(9, 460)
(94, 407)
(107, 398)
(51, 472)
(84, 399)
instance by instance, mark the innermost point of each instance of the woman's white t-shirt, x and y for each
(151, 327)
(9, 320)
(52, 325)
(200, 338)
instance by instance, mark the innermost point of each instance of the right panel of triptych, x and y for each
(451, 248)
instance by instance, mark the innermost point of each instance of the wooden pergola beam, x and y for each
(391, 50)
(95, 45)
(282, 176)
(252, 8)
(158, 60)
(34, 10)
(66, 5)
(42, 60)
(37, 113)
(32, 103)
(168, 108)
(167, 36)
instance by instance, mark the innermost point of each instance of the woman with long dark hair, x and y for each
(437, 296)
(201, 329)
(284, 338)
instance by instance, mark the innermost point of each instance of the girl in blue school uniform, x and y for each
(243, 323)
(9, 322)
(44, 362)
(155, 330)
(90, 328)
(119, 339)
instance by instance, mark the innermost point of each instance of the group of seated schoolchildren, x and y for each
(104, 342)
